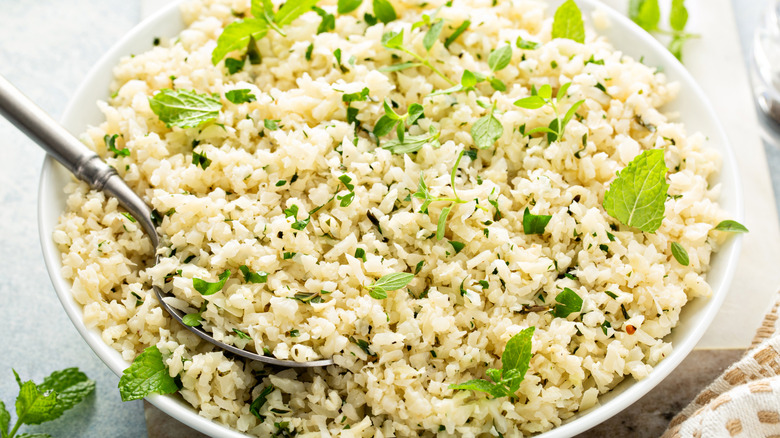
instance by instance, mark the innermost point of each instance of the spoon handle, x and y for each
(82, 162)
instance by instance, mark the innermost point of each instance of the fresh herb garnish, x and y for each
(111, 146)
(567, 22)
(384, 11)
(680, 254)
(347, 6)
(515, 362)
(731, 227)
(487, 130)
(205, 288)
(387, 283)
(526, 45)
(542, 97)
(395, 41)
(201, 160)
(647, 14)
(36, 404)
(637, 196)
(242, 335)
(240, 96)
(568, 302)
(146, 375)
(271, 125)
(253, 277)
(259, 401)
(184, 109)
(328, 22)
(534, 224)
(454, 36)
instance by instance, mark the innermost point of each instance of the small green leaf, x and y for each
(680, 254)
(111, 146)
(442, 224)
(359, 96)
(328, 22)
(146, 375)
(432, 35)
(399, 67)
(393, 281)
(678, 15)
(567, 22)
(205, 288)
(242, 335)
(384, 11)
(393, 40)
(414, 113)
(526, 45)
(517, 353)
(32, 405)
(645, 13)
(569, 302)
(271, 125)
(234, 65)
(291, 10)
(411, 143)
(530, 102)
(481, 385)
(5, 419)
(500, 58)
(237, 35)
(534, 224)
(731, 227)
(457, 246)
(486, 131)
(261, 398)
(637, 196)
(253, 277)
(240, 96)
(184, 109)
(71, 385)
(347, 6)
(377, 293)
(454, 36)
(192, 319)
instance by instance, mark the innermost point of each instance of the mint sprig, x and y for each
(36, 404)
(637, 196)
(647, 14)
(389, 282)
(147, 375)
(184, 109)
(515, 362)
(567, 22)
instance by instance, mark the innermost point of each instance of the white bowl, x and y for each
(696, 113)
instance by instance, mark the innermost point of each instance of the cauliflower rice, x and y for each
(453, 320)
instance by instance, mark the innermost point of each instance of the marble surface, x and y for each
(47, 46)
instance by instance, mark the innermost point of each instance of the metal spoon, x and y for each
(87, 166)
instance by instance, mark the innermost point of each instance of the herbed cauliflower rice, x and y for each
(396, 357)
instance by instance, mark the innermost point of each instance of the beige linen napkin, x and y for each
(745, 400)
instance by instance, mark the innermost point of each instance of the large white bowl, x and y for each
(691, 104)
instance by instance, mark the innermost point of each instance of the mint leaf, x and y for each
(389, 282)
(731, 227)
(347, 6)
(328, 22)
(567, 22)
(237, 35)
(432, 35)
(146, 375)
(481, 385)
(205, 288)
(291, 10)
(486, 131)
(5, 419)
(359, 96)
(253, 277)
(678, 15)
(500, 58)
(454, 36)
(442, 224)
(185, 109)
(530, 102)
(192, 319)
(71, 386)
(645, 13)
(526, 45)
(384, 11)
(243, 95)
(680, 254)
(32, 405)
(517, 354)
(411, 143)
(534, 224)
(260, 400)
(637, 196)
(569, 301)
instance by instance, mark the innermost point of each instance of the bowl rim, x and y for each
(178, 409)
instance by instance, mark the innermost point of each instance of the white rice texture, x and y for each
(445, 327)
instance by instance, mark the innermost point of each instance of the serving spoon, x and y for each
(87, 166)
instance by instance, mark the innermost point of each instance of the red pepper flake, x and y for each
(630, 329)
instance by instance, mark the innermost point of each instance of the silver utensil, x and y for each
(87, 166)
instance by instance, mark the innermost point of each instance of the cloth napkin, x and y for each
(744, 401)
